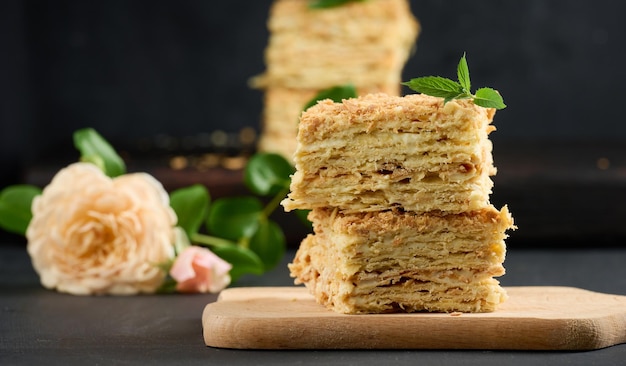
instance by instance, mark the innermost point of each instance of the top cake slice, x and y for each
(378, 151)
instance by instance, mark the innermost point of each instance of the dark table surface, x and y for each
(39, 326)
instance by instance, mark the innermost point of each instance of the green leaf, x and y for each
(234, 218)
(489, 98)
(336, 94)
(181, 242)
(95, 160)
(463, 75)
(191, 205)
(458, 96)
(269, 243)
(243, 260)
(15, 207)
(302, 215)
(94, 148)
(322, 4)
(436, 86)
(168, 286)
(267, 174)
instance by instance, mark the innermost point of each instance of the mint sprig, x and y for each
(448, 89)
(323, 4)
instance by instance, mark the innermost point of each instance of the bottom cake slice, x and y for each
(394, 261)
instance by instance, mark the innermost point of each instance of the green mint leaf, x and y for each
(15, 207)
(336, 94)
(191, 205)
(243, 260)
(322, 4)
(269, 244)
(489, 98)
(267, 174)
(463, 75)
(441, 87)
(94, 148)
(458, 96)
(436, 86)
(235, 218)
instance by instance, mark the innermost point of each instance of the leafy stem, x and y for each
(237, 229)
(211, 241)
(275, 202)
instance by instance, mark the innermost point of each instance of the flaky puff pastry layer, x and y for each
(402, 261)
(379, 151)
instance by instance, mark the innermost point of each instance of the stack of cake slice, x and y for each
(364, 44)
(399, 192)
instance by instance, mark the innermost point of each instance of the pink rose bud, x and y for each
(198, 269)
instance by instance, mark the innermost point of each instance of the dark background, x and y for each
(149, 75)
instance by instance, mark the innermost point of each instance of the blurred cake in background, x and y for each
(365, 44)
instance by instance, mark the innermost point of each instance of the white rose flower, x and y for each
(91, 234)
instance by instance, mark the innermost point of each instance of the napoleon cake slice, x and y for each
(390, 261)
(378, 152)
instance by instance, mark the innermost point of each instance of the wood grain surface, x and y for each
(533, 318)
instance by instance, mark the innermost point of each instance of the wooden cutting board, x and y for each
(533, 318)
